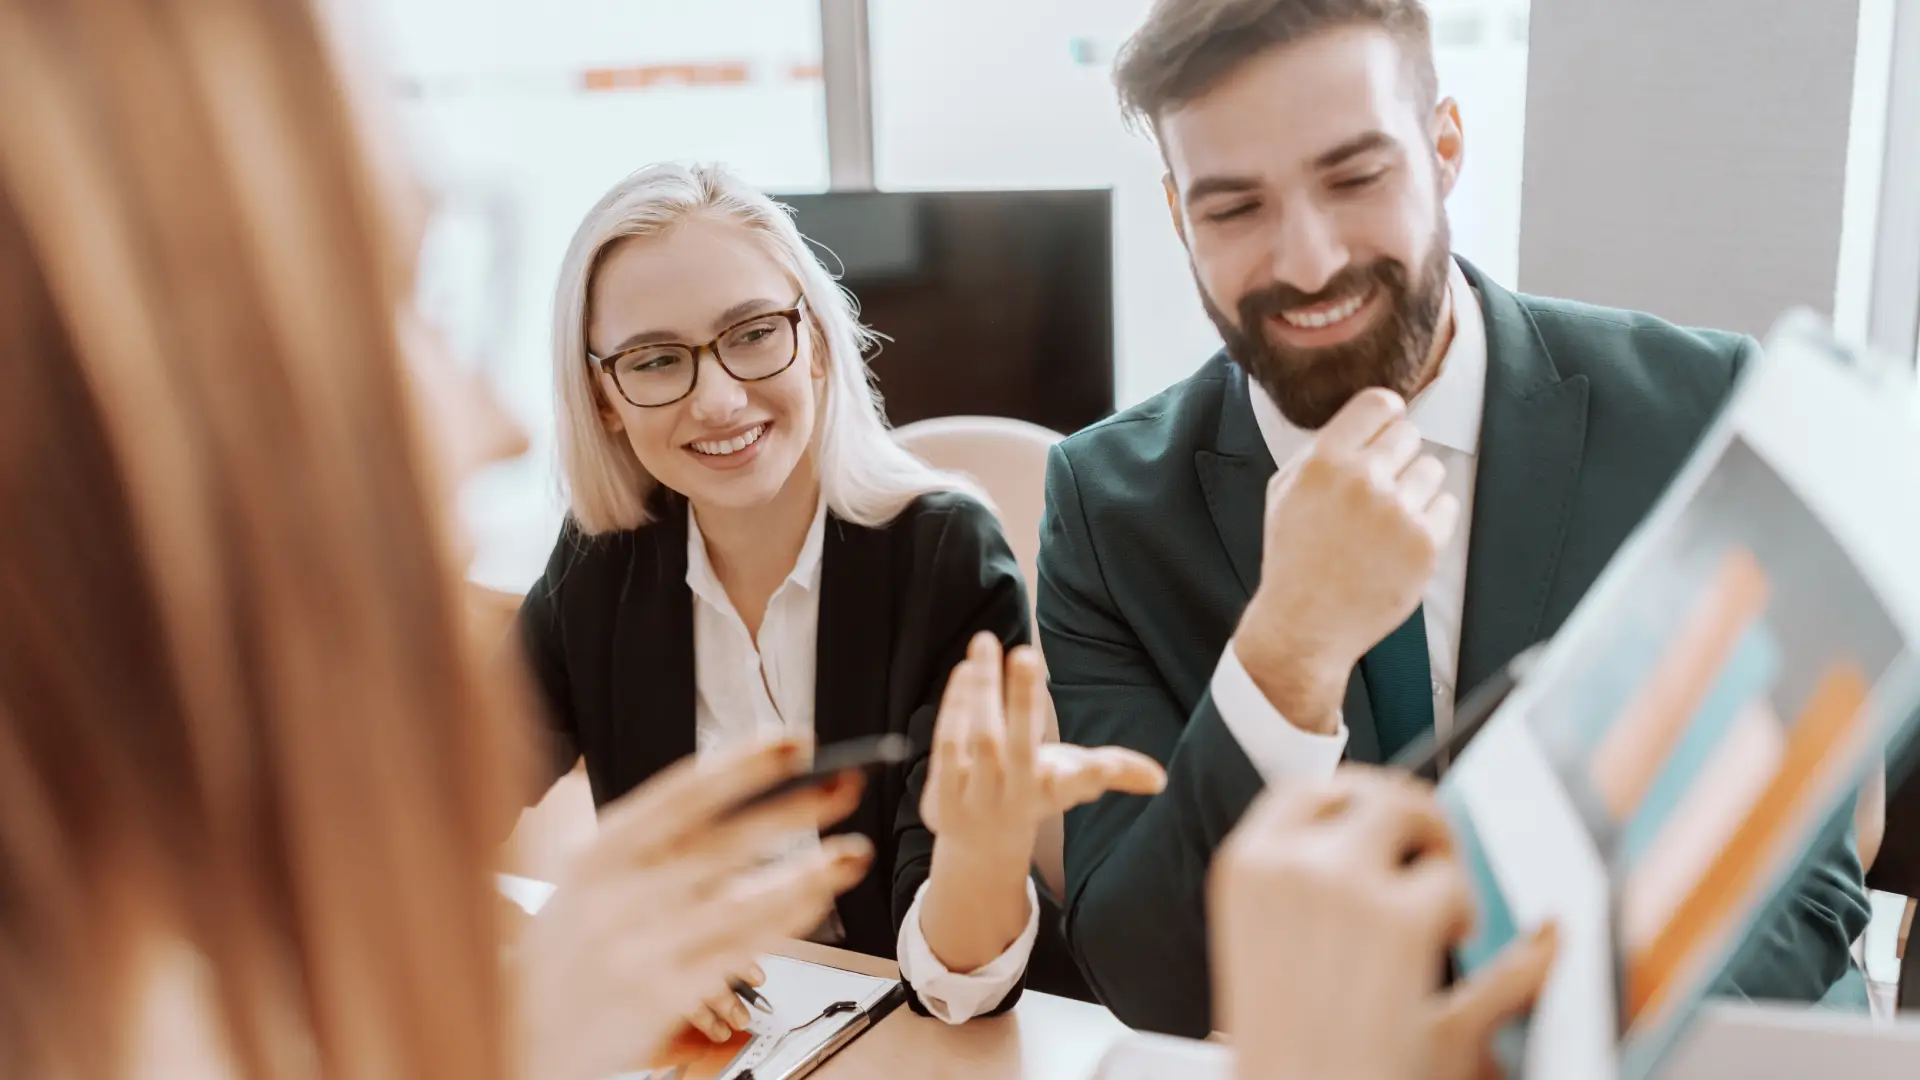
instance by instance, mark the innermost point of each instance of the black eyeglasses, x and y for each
(751, 350)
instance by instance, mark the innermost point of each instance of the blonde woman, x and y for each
(252, 773)
(748, 551)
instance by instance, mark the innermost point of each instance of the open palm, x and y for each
(993, 778)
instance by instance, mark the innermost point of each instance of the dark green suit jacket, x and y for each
(1151, 547)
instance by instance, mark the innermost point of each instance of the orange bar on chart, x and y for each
(1634, 748)
(1831, 715)
(1719, 799)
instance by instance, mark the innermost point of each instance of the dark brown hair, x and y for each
(245, 733)
(1188, 46)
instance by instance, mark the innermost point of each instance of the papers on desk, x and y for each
(816, 1011)
(1750, 1042)
(1144, 1056)
(1657, 780)
(1778, 1042)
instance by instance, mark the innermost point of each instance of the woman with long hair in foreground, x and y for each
(253, 773)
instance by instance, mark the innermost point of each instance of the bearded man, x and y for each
(1397, 476)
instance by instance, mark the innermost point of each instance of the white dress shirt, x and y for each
(745, 689)
(1447, 414)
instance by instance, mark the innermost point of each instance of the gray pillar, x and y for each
(1893, 306)
(846, 67)
(1688, 157)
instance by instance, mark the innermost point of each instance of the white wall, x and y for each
(1689, 159)
(1044, 114)
(493, 92)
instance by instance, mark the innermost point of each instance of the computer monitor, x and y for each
(995, 303)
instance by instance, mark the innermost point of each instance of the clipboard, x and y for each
(818, 1010)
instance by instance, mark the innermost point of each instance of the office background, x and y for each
(1712, 161)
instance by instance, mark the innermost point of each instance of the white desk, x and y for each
(1043, 1038)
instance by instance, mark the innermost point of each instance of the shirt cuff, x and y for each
(954, 997)
(1277, 749)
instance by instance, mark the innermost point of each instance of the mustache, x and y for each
(1279, 296)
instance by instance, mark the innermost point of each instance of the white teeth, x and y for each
(1315, 320)
(723, 447)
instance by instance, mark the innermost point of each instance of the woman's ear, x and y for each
(609, 416)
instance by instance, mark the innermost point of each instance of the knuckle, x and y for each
(1377, 400)
(1380, 483)
(1320, 470)
(1289, 859)
(1426, 551)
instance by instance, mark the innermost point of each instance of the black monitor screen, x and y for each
(996, 303)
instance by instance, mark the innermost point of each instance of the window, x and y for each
(1043, 114)
(552, 103)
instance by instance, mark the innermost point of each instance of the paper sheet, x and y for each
(779, 1047)
(1654, 781)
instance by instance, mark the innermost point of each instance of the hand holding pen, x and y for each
(719, 1016)
(674, 895)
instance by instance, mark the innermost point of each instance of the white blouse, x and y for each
(744, 689)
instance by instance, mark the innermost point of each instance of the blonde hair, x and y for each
(865, 477)
(242, 718)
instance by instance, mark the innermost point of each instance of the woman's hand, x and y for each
(991, 781)
(673, 896)
(722, 1014)
(1333, 908)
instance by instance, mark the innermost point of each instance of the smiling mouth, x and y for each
(727, 447)
(1323, 316)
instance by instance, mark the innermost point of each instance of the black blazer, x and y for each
(608, 630)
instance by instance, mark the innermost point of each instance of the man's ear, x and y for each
(1449, 144)
(1173, 207)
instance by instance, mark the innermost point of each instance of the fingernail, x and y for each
(854, 848)
(841, 790)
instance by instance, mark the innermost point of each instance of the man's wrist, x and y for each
(1305, 688)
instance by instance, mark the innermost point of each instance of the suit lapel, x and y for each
(1234, 476)
(855, 637)
(1532, 440)
(652, 674)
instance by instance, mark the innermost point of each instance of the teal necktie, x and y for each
(1400, 685)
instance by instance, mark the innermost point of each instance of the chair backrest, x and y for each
(1006, 457)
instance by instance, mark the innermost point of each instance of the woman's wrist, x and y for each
(987, 863)
(976, 904)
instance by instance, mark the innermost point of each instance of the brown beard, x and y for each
(1311, 385)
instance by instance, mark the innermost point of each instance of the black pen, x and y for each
(1425, 755)
(749, 995)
